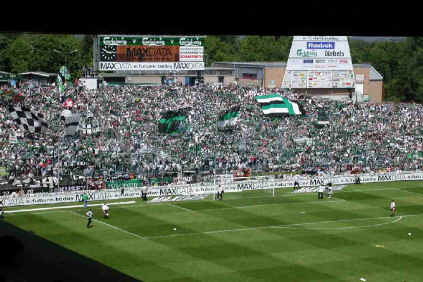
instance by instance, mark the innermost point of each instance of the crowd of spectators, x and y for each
(127, 141)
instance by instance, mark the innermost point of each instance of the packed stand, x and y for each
(127, 140)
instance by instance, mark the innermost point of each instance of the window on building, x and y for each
(220, 79)
(249, 76)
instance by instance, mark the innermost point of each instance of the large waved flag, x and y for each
(266, 99)
(25, 119)
(275, 104)
(228, 118)
(172, 121)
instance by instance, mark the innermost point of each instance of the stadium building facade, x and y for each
(368, 80)
(316, 65)
(255, 74)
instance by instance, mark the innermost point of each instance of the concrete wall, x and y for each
(212, 79)
(373, 88)
(375, 91)
(250, 83)
(144, 79)
(273, 73)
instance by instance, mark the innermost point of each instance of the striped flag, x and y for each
(277, 105)
(266, 99)
(60, 85)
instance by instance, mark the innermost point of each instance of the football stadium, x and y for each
(307, 181)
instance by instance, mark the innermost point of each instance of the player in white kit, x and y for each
(393, 208)
(105, 210)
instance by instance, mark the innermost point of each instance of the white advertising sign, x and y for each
(89, 83)
(133, 66)
(191, 54)
(198, 189)
(326, 54)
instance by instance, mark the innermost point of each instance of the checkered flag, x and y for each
(27, 120)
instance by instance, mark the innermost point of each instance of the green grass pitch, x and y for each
(252, 236)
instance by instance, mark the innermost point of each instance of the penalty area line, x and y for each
(112, 226)
(287, 226)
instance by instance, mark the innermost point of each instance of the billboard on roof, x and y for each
(322, 61)
(137, 52)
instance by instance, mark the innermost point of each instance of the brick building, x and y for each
(369, 81)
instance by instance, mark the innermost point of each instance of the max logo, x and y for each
(170, 191)
(316, 182)
(248, 186)
(384, 178)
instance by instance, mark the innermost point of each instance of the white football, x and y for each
(362, 279)
(174, 228)
(409, 234)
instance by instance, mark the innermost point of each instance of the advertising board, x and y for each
(138, 53)
(329, 55)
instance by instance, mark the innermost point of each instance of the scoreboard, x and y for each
(140, 53)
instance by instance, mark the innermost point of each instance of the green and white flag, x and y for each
(286, 107)
(172, 122)
(266, 99)
(60, 85)
(64, 72)
(228, 118)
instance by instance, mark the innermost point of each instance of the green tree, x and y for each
(46, 52)
(218, 50)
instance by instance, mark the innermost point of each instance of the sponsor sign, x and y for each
(198, 189)
(133, 66)
(140, 53)
(150, 53)
(320, 45)
(116, 40)
(134, 183)
(321, 38)
(319, 53)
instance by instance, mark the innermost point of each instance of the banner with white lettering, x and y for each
(135, 66)
(199, 189)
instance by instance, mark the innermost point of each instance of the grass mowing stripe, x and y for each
(180, 207)
(290, 226)
(112, 226)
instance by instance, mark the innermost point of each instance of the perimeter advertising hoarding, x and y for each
(120, 53)
(319, 62)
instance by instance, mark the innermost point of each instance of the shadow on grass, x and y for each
(28, 257)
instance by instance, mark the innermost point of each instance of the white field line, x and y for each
(179, 207)
(291, 226)
(397, 219)
(361, 226)
(67, 207)
(113, 226)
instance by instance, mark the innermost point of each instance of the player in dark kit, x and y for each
(90, 217)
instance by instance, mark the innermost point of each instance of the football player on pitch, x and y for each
(393, 208)
(106, 211)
